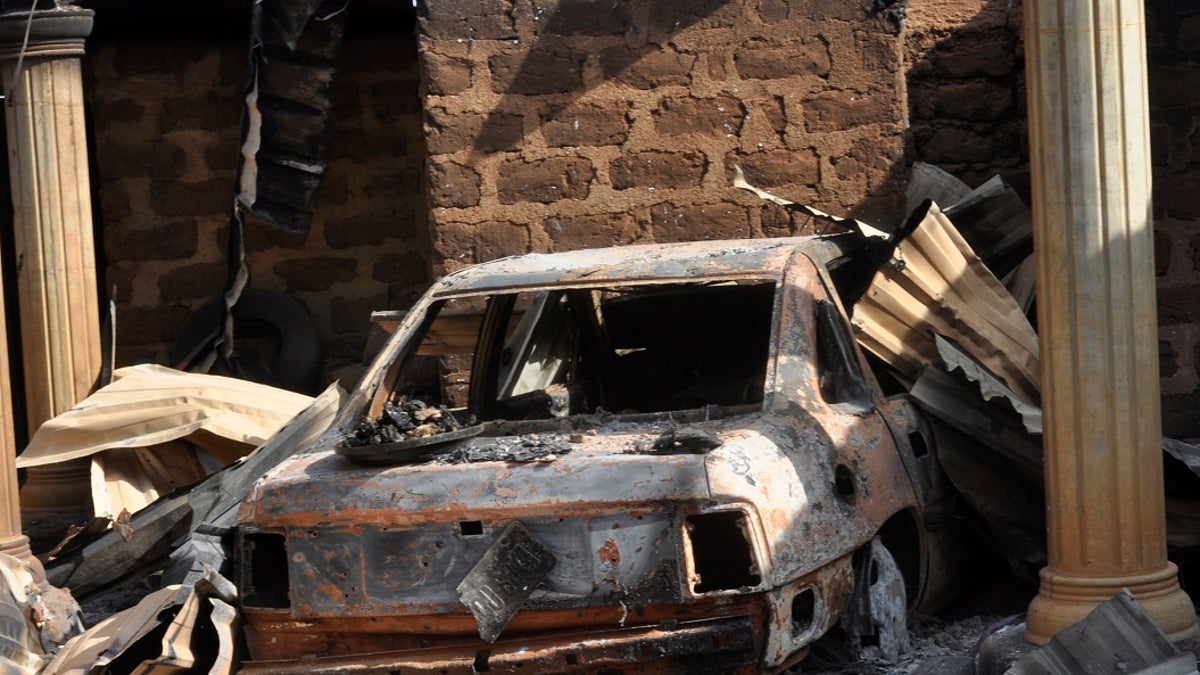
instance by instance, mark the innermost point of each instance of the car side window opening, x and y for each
(624, 349)
(839, 374)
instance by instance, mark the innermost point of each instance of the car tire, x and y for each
(293, 356)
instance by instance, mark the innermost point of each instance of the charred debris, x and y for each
(942, 306)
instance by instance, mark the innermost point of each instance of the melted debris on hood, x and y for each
(404, 420)
(527, 448)
(679, 441)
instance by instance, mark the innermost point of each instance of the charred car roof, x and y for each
(760, 258)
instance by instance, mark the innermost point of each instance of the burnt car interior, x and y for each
(627, 349)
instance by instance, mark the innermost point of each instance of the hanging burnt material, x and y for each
(293, 63)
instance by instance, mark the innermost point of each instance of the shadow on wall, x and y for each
(550, 58)
(1173, 55)
(966, 91)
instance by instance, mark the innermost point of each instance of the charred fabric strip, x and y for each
(286, 119)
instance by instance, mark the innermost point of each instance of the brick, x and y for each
(391, 101)
(1177, 304)
(401, 268)
(777, 221)
(190, 282)
(570, 233)
(778, 62)
(1193, 250)
(723, 220)
(973, 101)
(1168, 359)
(544, 181)
(203, 113)
(779, 167)
(152, 157)
(448, 132)
(671, 18)
(655, 169)
(468, 20)
(862, 12)
(319, 273)
(976, 55)
(1173, 85)
(499, 239)
(445, 75)
(121, 277)
(544, 69)
(259, 235)
(776, 114)
(583, 17)
(357, 143)
(839, 110)
(1162, 253)
(353, 315)
(116, 112)
(455, 241)
(221, 156)
(172, 198)
(404, 295)
(334, 188)
(150, 325)
(953, 145)
(718, 116)
(1179, 415)
(386, 185)
(162, 58)
(647, 67)
(234, 68)
(1176, 195)
(114, 205)
(587, 125)
(168, 241)
(371, 230)
(773, 11)
(865, 158)
(453, 185)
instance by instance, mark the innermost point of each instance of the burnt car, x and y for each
(667, 458)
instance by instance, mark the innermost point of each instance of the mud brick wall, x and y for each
(165, 121)
(1173, 37)
(966, 88)
(579, 123)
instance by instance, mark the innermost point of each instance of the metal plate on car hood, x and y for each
(504, 578)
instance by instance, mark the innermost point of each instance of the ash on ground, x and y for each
(404, 420)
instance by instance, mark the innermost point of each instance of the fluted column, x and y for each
(56, 279)
(12, 541)
(1090, 156)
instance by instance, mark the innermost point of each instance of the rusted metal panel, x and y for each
(722, 645)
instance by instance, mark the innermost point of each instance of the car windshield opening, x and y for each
(624, 349)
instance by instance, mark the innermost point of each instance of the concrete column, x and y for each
(56, 279)
(12, 541)
(1090, 155)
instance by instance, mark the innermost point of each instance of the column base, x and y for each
(53, 498)
(18, 547)
(1063, 601)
